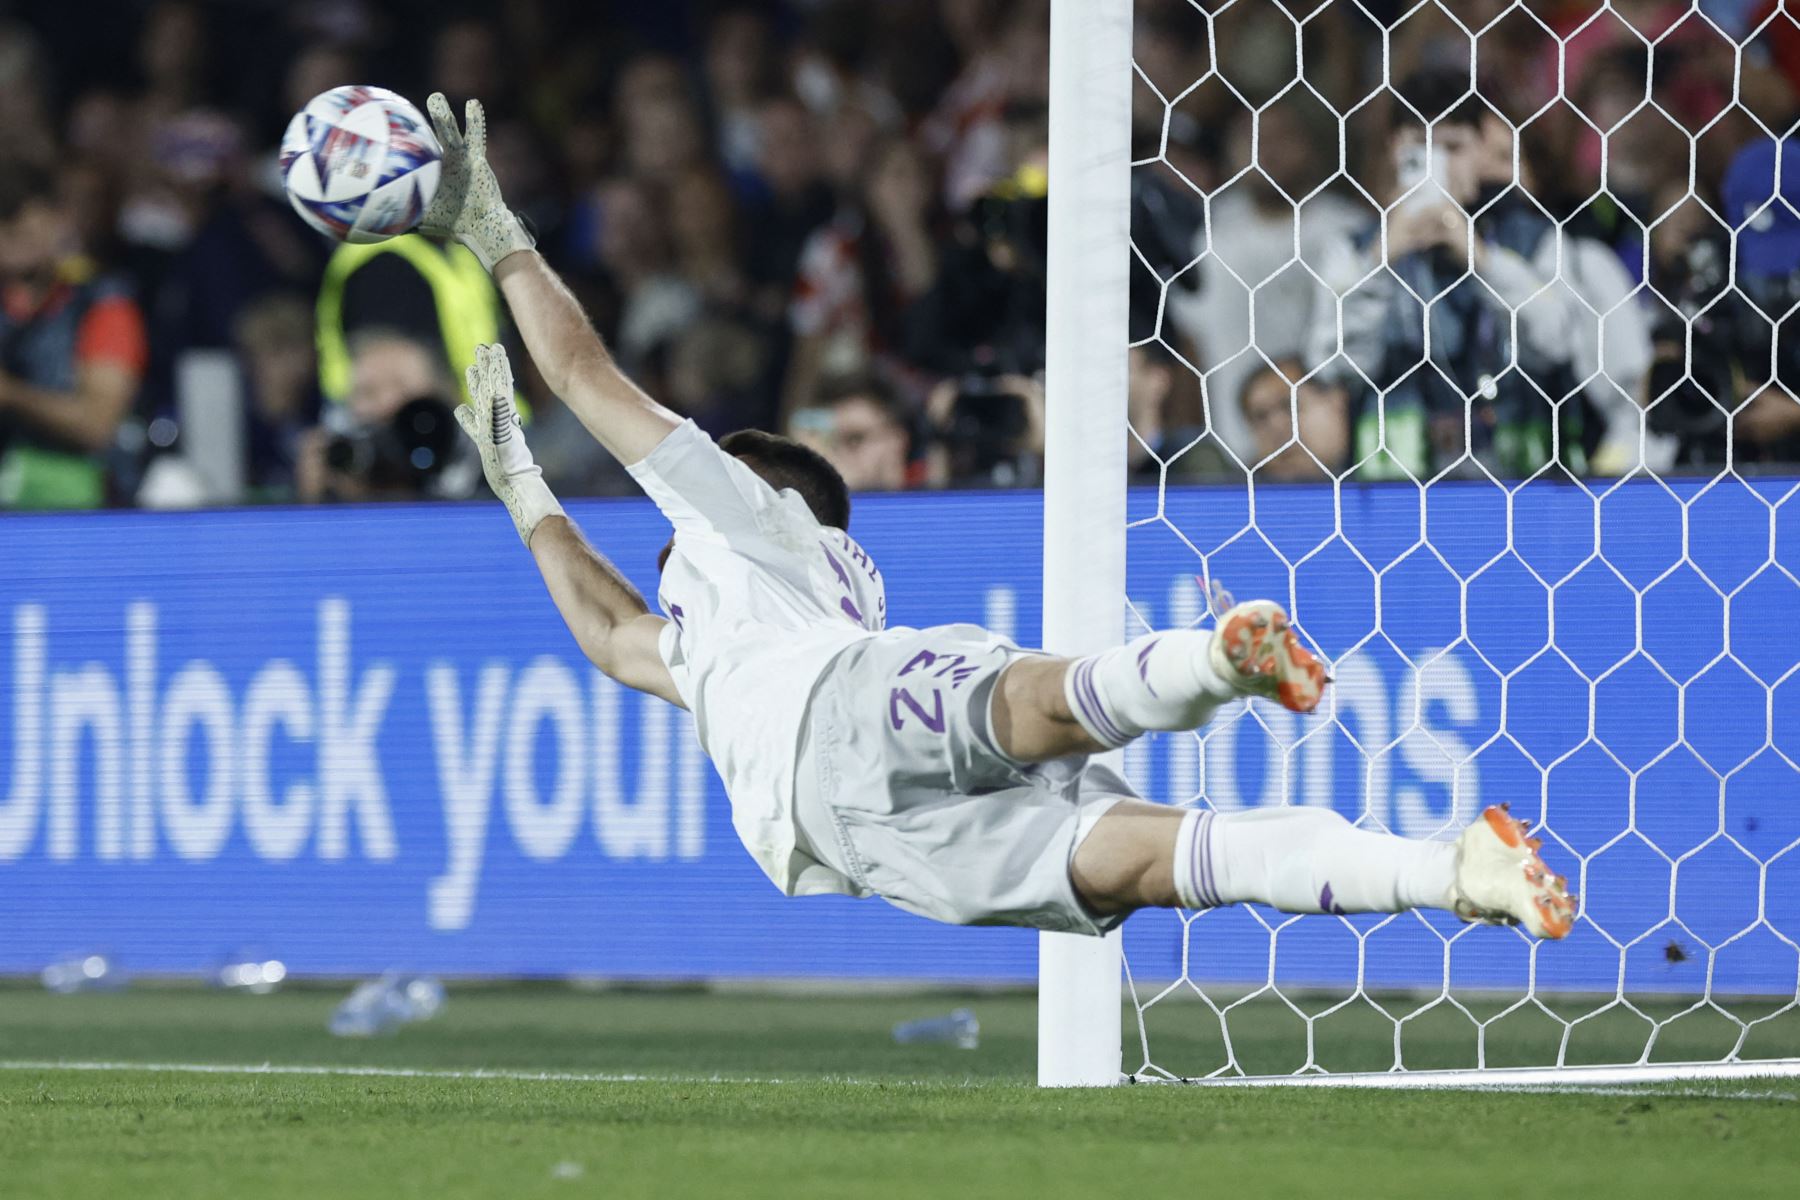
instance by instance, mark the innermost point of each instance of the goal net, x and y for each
(1462, 330)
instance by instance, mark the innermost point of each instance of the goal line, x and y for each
(1558, 1078)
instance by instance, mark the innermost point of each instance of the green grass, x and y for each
(763, 1095)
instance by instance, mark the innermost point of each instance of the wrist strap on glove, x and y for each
(529, 501)
(496, 235)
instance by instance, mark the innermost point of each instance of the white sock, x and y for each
(1306, 860)
(1160, 681)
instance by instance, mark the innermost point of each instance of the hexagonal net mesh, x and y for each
(1474, 321)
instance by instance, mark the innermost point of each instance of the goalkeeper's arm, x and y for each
(468, 207)
(610, 621)
(576, 364)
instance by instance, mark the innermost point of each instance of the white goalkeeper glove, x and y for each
(492, 422)
(467, 205)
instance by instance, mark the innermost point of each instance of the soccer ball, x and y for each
(360, 163)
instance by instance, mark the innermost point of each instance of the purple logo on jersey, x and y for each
(845, 603)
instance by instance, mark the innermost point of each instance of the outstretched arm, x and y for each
(468, 207)
(576, 364)
(610, 621)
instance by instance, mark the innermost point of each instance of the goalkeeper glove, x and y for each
(467, 205)
(492, 422)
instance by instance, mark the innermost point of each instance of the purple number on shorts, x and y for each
(955, 666)
(934, 720)
(923, 658)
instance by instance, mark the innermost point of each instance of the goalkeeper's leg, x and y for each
(1311, 860)
(1049, 708)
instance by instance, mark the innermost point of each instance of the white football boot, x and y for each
(1255, 650)
(1500, 880)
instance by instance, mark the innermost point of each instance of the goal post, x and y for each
(1087, 326)
(1592, 623)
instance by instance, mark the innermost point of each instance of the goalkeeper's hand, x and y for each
(467, 205)
(492, 422)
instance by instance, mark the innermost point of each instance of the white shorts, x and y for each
(902, 789)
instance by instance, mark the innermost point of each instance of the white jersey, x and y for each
(760, 598)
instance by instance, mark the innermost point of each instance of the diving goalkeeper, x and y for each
(945, 770)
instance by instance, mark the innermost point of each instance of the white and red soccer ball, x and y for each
(360, 163)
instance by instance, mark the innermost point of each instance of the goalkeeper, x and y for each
(945, 770)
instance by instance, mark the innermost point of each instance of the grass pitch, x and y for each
(758, 1095)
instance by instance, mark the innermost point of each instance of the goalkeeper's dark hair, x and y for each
(784, 463)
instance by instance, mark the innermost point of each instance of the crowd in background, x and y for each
(828, 218)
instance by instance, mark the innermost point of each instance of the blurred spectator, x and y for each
(854, 55)
(467, 58)
(1737, 393)
(751, 196)
(1641, 147)
(1312, 447)
(849, 137)
(393, 437)
(714, 368)
(860, 426)
(740, 70)
(172, 57)
(276, 345)
(317, 68)
(707, 245)
(791, 199)
(1761, 191)
(574, 464)
(1150, 381)
(658, 116)
(72, 352)
(1250, 276)
(220, 242)
(1483, 402)
(652, 302)
(1609, 333)
(26, 128)
(1005, 49)
(860, 275)
(1168, 441)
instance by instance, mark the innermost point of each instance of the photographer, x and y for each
(394, 437)
(860, 425)
(1737, 391)
(1466, 396)
(989, 429)
(981, 328)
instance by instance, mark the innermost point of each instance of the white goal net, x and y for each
(1463, 331)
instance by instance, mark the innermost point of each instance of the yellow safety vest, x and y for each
(468, 307)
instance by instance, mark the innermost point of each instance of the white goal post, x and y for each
(1086, 331)
(1686, 961)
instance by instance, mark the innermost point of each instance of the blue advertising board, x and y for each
(360, 738)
